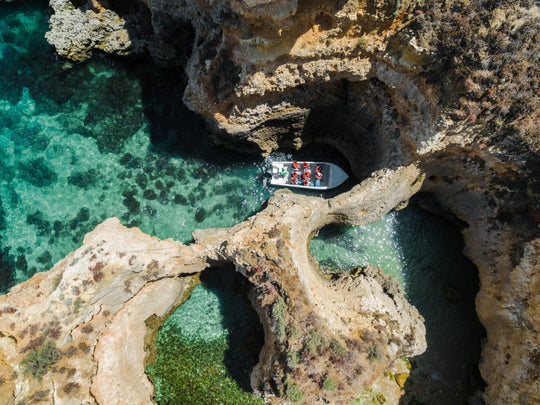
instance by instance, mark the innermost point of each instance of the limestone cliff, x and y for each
(452, 86)
(77, 334)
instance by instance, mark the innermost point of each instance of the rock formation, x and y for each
(80, 331)
(76, 334)
(489, 197)
(450, 86)
(260, 70)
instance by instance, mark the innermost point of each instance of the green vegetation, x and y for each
(38, 361)
(337, 349)
(328, 384)
(207, 348)
(316, 343)
(292, 391)
(278, 313)
(77, 305)
(293, 359)
(194, 372)
(375, 353)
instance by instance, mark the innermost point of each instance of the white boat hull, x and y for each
(333, 175)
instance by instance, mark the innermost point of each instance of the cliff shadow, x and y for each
(357, 119)
(442, 286)
(159, 67)
(245, 336)
(174, 129)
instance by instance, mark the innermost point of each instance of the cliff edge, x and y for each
(451, 87)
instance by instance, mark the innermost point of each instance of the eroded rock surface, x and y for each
(260, 71)
(346, 331)
(502, 240)
(78, 333)
(357, 75)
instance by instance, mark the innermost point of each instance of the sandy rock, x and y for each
(348, 330)
(82, 311)
(90, 312)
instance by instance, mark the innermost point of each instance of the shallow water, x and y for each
(423, 253)
(102, 139)
(208, 346)
(110, 138)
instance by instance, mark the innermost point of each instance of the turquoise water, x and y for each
(208, 346)
(101, 139)
(111, 138)
(423, 253)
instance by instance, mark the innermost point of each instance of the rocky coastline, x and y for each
(82, 331)
(260, 73)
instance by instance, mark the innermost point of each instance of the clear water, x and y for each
(110, 138)
(101, 139)
(208, 347)
(423, 252)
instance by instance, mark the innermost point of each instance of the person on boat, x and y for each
(294, 177)
(305, 165)
(306, 177)
(284, 173)
(295, 165)
(318, 176)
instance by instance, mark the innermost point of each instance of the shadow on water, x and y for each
(175, 130)
(245, 334)
(209, 345)
(442, 286)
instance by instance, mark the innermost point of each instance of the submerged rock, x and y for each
(132, 204)
(83, 215)
(38, 173)
(150, 194)
(84, 180)
(142, 180)
(200, 214)
(180, 199)
(44, 258)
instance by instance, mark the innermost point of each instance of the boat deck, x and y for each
(325, 183)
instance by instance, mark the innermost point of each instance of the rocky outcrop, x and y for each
(78, 333)
(490, 199)
(280, 74)
(260, 71)
(346, 331)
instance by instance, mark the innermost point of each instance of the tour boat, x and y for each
(332, 175)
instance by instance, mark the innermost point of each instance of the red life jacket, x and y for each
(318, 175)
(305, 165)
(295, 164)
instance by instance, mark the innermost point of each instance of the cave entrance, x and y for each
(207, 348)
(423, 252)
(359, 119)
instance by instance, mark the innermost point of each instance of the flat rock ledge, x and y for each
(83, 331)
